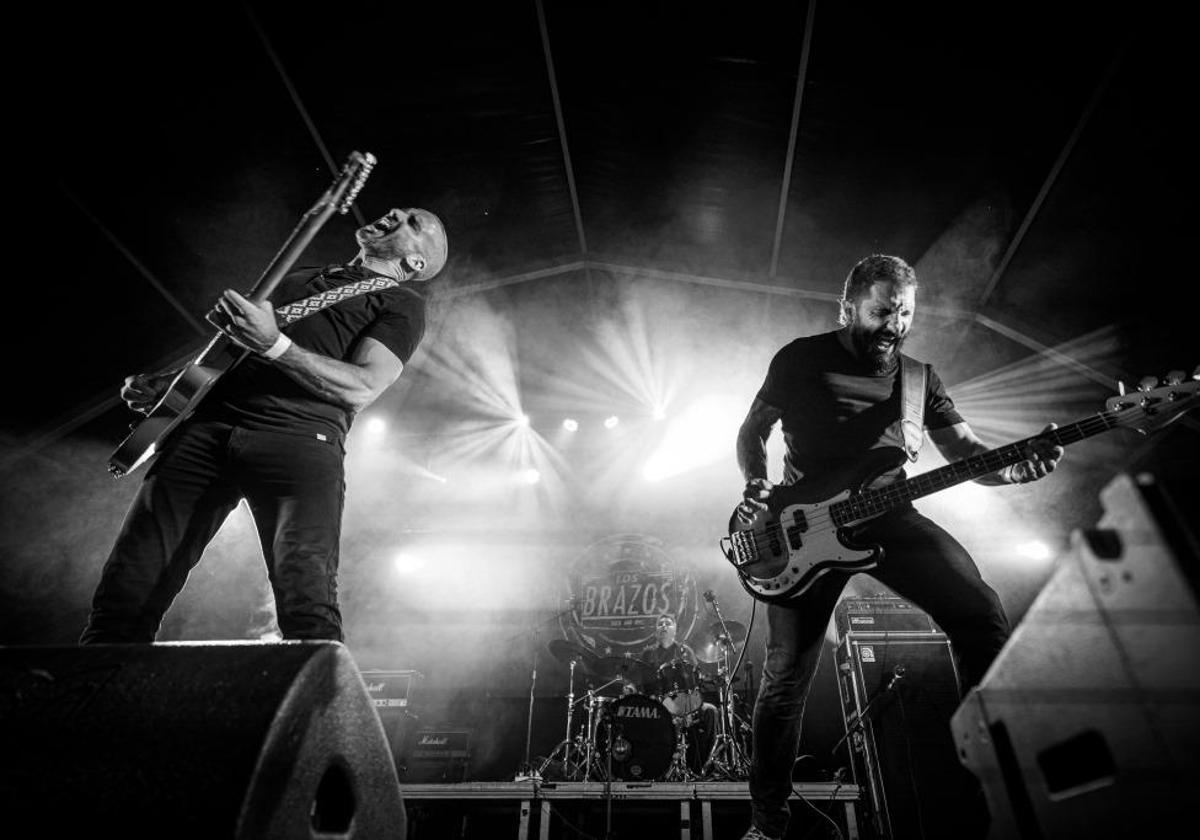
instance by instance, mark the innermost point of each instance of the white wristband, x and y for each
(277, 349)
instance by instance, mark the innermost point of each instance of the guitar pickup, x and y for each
(799, 526)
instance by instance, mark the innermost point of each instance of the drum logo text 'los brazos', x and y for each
(618, 587)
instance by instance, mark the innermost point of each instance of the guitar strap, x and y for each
(912, 405)
(292, 312)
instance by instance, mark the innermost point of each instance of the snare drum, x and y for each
(678, 687)
(642, 735)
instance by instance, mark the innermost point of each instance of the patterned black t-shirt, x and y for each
(255, 394)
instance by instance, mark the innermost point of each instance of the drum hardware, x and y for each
(727, 759)
(640, 739)
(570, 767)
(576, 753)
(678, 687)
(626, 668)
(558, 647)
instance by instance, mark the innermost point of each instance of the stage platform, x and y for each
(548, 810)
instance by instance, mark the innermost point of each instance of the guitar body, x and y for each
(189, 387)
(790, 546)
(809, 527)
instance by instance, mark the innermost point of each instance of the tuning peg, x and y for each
(1147, 383)
(1174, 377)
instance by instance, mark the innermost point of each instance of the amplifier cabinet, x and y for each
(881, 614)
(389, 689)
(391, 694)
(898, 696)
(436, 754)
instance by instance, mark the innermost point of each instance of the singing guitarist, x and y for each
(272, 431)
(839, 398)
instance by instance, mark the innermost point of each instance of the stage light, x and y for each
(698, 436)
(375, 425)
(523, 420)
(571, 424)
(1034, 550)
(407, 563)
(611, 422)
(528, 476)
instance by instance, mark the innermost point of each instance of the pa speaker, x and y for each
(240, 740)
(1088, 722)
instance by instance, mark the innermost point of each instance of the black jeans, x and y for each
(295, 488)
(923, 564)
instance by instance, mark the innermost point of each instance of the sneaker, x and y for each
(755, 833)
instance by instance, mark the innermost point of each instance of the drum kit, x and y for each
(639, 722)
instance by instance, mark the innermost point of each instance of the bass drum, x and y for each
(642, 736)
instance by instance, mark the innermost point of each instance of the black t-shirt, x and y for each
(255, 394)
(835, 410)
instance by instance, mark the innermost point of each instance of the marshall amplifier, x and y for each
(880, 615)
(436, 755)
(441, 743)
(389, 689)
(391, 695)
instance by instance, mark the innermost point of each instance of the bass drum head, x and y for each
(642, 735)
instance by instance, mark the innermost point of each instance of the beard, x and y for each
(879, 349)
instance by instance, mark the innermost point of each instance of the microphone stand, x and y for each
(527, 772)
(860, 717)
(734, 763)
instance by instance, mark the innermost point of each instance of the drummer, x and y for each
(701, 725)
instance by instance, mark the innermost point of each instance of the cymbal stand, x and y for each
(593, 722)
(566, 745)
(726, 757)
(679, 770)
(528, 772)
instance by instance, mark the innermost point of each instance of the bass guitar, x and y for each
(809, 527)
(197, 378)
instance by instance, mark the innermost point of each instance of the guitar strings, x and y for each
(875, 502)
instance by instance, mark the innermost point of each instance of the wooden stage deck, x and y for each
(538, 803)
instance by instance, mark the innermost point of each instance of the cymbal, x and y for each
(627, 667)
(565, 651)
(717, 644)
(737, 631)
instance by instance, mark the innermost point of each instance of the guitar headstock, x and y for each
(345, 188)
(1155, 402)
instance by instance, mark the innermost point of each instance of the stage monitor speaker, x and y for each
(898, 695)
(1088, 723)
(237, 740)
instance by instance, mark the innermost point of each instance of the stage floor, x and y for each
(547, 810)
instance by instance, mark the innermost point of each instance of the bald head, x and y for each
(410, 239)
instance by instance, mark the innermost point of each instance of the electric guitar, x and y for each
(808, 527)
(197, 378)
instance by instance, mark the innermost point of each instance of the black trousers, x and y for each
(923, 564)
(295, 487)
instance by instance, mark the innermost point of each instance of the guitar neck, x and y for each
(290, 252)
(872, 503)
(221, 352)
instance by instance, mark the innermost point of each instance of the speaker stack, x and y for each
(1088, 723)
(899, 687)
(239, 740)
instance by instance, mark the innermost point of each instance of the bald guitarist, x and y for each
(839, 397)
(272, 431)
